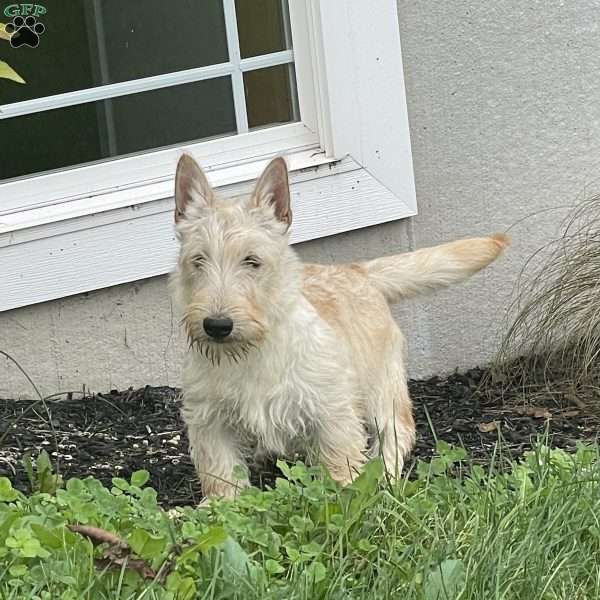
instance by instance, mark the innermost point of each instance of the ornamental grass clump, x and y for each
(553, 341)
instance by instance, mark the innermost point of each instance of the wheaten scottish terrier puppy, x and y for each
(286, 356)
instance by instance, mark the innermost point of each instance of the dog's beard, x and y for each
(216, 352)
(233, 349)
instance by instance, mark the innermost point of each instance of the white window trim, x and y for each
(350, 162)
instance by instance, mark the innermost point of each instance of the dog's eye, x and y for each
(252, 261)
(198, 260)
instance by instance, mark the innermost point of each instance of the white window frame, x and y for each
(104, 224)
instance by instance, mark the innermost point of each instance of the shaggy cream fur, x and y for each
(314, 360)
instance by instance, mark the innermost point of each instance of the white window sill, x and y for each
(46, 256)
(136, 196)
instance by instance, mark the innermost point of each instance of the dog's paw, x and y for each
(221, 491)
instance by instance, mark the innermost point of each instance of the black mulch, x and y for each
(114, 434)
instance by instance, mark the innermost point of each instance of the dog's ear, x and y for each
(191, 185)
(273, 190)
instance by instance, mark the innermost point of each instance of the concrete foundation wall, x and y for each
(505, 124)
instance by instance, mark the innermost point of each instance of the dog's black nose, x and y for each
(218, 327)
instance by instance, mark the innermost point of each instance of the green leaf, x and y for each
(273, 567)
(140, 478)
(368, 480)
(215, 536)
(183, 587)
(301, 524)
(47, 481)
(148, 498)
(28, 466)
(6, 521)
(52, 538)
(311, 549)
(76, 487)
(284, 468)
(235, 558)
(145, 544)
(300, 473)
(32, 548)
(442, 447)
(317, 571)
(43, 462)
(445, 582)
(293, 553)
(7, 493)
(189, 530)
(363, 490)
(438, 466)
(282, 484)
(120, 483)
(450, 454)
(18, 570)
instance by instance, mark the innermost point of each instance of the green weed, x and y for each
(529, 533)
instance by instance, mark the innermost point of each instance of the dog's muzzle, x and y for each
(217, 328)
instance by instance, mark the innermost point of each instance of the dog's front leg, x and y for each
(216, 455)
(341, 445)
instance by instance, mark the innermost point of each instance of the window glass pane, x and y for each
(263, 26)
(271, 96)
(96, 42)
(127, 124)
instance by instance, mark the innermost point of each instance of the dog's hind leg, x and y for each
(390, 414)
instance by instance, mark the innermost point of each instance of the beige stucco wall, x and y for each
(504, 106)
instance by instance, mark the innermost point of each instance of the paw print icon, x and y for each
(25, 32)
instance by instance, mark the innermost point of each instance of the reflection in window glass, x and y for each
(263, 26)
(271, 96)
(97, 130)
(99, 42)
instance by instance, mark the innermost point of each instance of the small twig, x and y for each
(118, 553)
(26, 375)
(68, 394)
(136, 564)
(101, 397)
(100, 536)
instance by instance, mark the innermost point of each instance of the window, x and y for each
(115, 90)
(111, 79)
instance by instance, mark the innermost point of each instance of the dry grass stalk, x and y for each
(553, 342)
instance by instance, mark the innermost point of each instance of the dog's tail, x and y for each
(422, 271)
